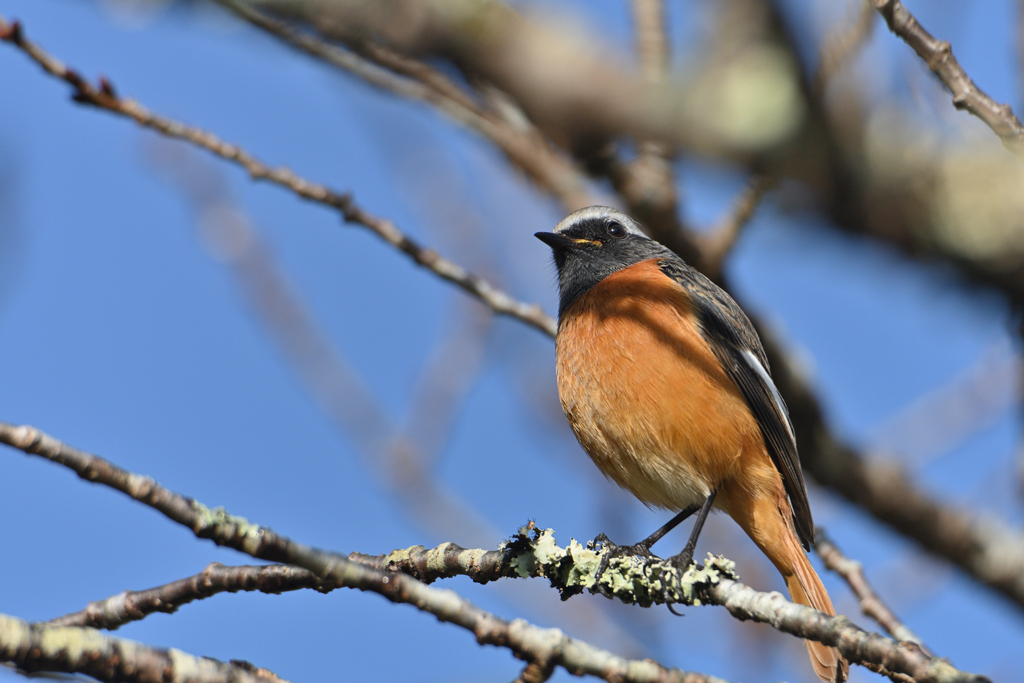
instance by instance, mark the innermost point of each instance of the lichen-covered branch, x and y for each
(857, 645)
(104, 96)
(68, 649)
(532, 552)
(938, 55)
(647, 581)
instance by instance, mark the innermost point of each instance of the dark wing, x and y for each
(727, 330)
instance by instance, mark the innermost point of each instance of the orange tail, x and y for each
(768, 524)
(805, 588)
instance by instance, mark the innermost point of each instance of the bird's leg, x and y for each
(641, 549)
(644, 546)
(683, 559)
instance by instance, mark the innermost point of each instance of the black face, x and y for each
(591, 249)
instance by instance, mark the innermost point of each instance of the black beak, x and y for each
(555, 241)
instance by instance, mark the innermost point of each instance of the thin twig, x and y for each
(938, 55)
(723, 237)
(44, 647)
(535, 672)
(129, 606)
(870, 603)
(105, 97)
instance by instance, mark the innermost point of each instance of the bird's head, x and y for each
(593, 243)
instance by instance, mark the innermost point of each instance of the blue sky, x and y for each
(122, 334)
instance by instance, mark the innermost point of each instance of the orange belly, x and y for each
(646, 395)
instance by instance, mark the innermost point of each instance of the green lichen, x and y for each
(534, 552)
(575, 568)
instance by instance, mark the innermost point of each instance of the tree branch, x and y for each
(404, 76)
(723, 237)
(646, 581)
(105, 97)
(43, 647)
(129, 606)
(531, 553)
(984, 546)
(528, 642)
(938, 55)
(842, 43)
(870, 603)
(648, 185)
(579, 97)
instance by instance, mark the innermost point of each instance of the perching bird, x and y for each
(667, 387)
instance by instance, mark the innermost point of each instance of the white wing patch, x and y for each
(755, 364)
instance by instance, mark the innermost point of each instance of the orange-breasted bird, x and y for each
(668, 389)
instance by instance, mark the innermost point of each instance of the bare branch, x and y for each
(401, 75)
(651, 38)
(578, 96)
(129, 606)
(870, 603)
(938, 55)
(105, 97)
(43, 647)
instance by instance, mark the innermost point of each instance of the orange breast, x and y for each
(646, 395)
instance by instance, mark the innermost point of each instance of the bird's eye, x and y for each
(616, 230)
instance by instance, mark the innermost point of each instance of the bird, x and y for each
(667, 387)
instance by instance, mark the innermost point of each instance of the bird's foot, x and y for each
(615, 550)
(611, 551)
(683, 559)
